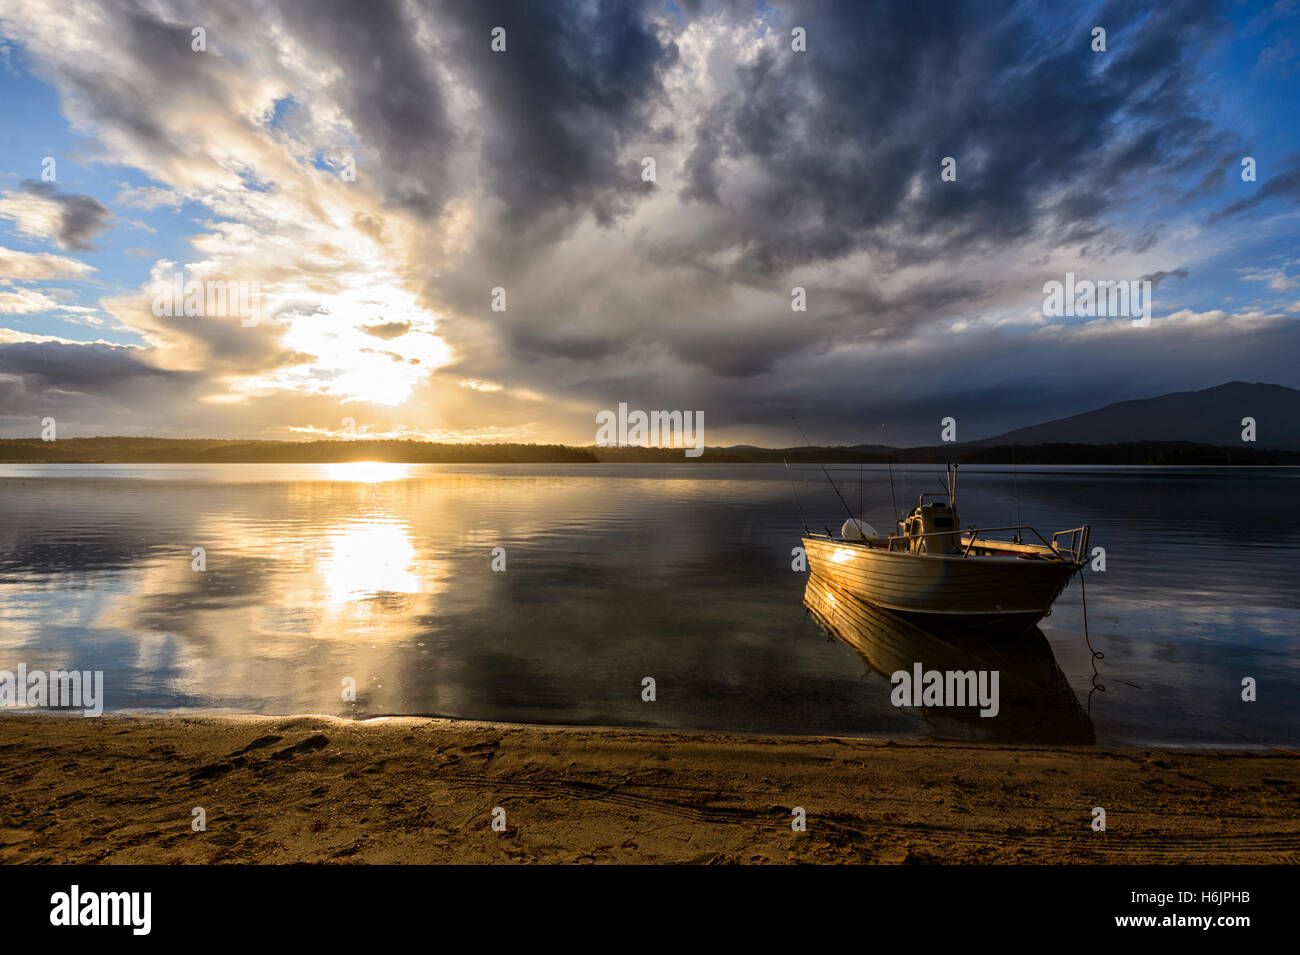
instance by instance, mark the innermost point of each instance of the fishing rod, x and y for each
(848, 510)
(802, 519)
(1015, 478)
(861, 478)
(889, 457)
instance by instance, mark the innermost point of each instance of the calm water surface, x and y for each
(382, 573)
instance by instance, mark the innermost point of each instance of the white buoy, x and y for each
(855, 529)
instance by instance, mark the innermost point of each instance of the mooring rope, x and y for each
(1096, 655)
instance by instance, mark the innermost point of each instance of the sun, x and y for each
(345, 359)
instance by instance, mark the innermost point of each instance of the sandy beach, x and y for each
(317, 789)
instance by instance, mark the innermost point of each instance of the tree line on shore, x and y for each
(130, 450)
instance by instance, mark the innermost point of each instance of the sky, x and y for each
(371, 174)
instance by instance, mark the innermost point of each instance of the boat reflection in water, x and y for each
(1035, 702)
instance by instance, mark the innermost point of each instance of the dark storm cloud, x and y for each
(553, 110)
(162, 66)
(819, 169)
(1286, 184)
(93, 367)
(1155, 278)
(1042, 128)
(701, 173)
(95, 388)
(388, 87)
(576, 81)
(554, 115)
(1017, 381)
(809, 159)
(81, 218)
(839, 315)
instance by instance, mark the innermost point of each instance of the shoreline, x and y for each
(391, 789)
(1246, 747)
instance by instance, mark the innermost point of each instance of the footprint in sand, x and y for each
(319, 741)
(260, 743)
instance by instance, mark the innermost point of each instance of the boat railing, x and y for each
(1018, 528)
(1077, 547)
(1074, 550)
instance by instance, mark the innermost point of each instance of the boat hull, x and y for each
(977, 591)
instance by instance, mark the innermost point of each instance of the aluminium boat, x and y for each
(933, 570)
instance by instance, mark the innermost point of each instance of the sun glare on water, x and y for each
(367, 472)
(366, 559)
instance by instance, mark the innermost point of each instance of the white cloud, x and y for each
(41, 265)
(149, 198)
(26, 301)
(34, 216)
(1277, 278)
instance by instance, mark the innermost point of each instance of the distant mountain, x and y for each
(1211, 417)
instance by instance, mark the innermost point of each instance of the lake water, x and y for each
(382, 574)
